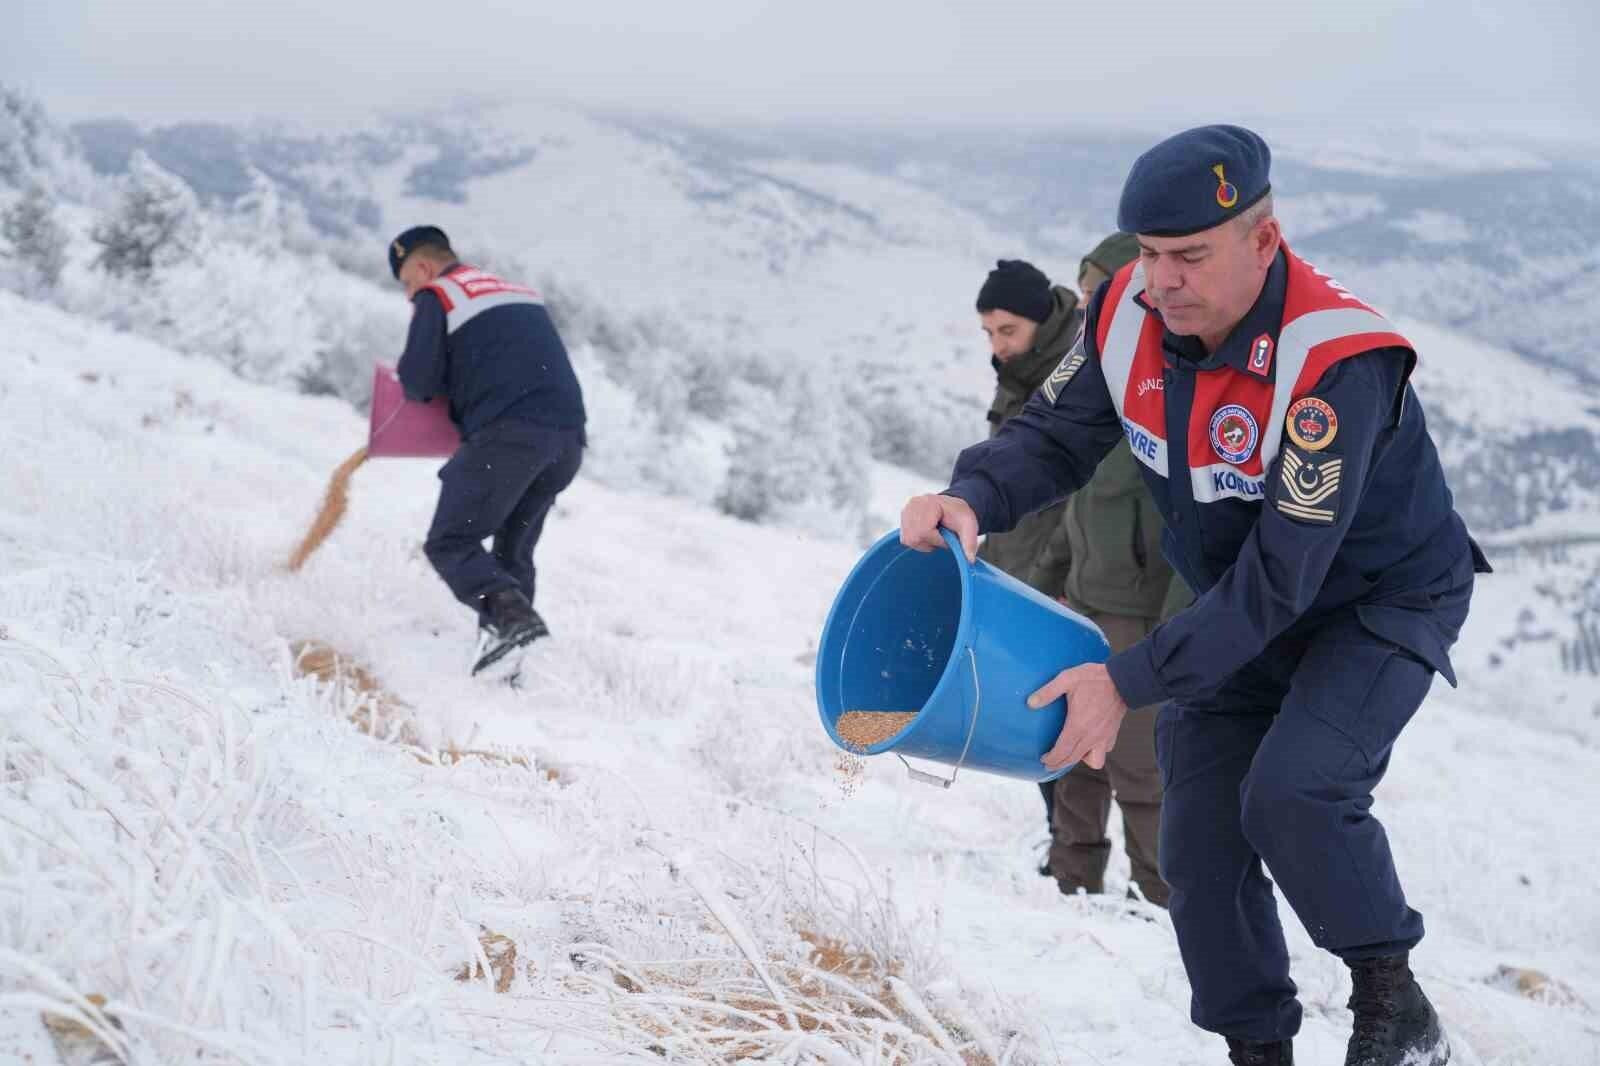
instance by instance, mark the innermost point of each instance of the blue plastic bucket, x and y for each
(961, 644)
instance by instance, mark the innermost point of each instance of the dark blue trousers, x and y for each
(500, 483)
(1275, 772)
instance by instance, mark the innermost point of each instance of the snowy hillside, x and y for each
(652, 850)
(768, 323)
(753, 331)
(827, 274)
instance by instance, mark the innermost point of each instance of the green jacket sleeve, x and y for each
(1179, 596)
(1054, 562)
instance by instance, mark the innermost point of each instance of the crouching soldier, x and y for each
(1031, 325)
(491, 348)
(1272, 417)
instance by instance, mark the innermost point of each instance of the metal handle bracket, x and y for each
(977, 704)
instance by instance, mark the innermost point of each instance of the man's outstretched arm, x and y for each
(422, 365)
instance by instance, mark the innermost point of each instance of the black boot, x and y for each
(1244, 1053)
(509, 623)
(1395, 1025)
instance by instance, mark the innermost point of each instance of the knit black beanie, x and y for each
(1019, 287)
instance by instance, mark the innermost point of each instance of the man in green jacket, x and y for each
(1098, 552)
(1031, 325)
(1108, 542)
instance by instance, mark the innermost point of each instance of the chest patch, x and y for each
(1234, 433)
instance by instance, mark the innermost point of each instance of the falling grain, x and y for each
(333, 508)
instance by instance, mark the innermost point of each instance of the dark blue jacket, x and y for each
(1396, 554)
(499, 359)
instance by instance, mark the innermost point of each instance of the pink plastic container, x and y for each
(401, 429)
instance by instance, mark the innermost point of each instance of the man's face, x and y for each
(1090, 278)
(1203, 284)
(417, 271)
(1009, 335)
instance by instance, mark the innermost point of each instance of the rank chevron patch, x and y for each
(1064, 371)
(1309, 486)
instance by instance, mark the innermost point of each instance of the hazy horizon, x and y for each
(1001, 65)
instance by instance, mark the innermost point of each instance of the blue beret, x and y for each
(402, 245)
(1194, 180)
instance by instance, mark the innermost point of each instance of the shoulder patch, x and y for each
(1065, 370)
(1311, 423)
(1308, 486)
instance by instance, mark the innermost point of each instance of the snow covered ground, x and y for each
(200, 835)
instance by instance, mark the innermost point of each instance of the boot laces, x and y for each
(1375, 1002)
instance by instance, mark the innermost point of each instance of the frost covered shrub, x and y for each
(798, 454)
(22, 127)
(37, 242)
(238, 286)
(155, 225)
(349, 344)
(630, 448)
(925, 437)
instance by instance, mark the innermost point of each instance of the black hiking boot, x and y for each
(1245, 1053)
(509, 623)
(1395, 1025)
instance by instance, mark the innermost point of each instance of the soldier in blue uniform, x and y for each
(1305, 504)
(491, 347)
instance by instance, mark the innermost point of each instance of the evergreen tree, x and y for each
(155, 225)
(36, 240)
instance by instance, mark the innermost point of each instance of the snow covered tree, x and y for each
(22, 122)
(35, 240)
(156, 224)
(799, 454)
(266, 217)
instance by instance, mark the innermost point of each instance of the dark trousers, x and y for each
(1081, 807)
(1276, 769)
(500, 483)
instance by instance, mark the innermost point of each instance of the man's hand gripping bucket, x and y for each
(916, 631)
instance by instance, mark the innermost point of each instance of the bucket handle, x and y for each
(977, 704)
(394, 376)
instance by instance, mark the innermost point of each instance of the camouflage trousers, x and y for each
(1081, 802)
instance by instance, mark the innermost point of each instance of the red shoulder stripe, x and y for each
(1108, 306)
(1324, 355)
(444, 297)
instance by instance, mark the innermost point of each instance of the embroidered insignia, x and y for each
(1227, 195)
(1309, 487)
(1312, 423)
(1261, 355)
(1234, 433)
(1064, 371)
(399, 250)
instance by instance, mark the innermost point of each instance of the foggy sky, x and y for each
(1000, 62)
